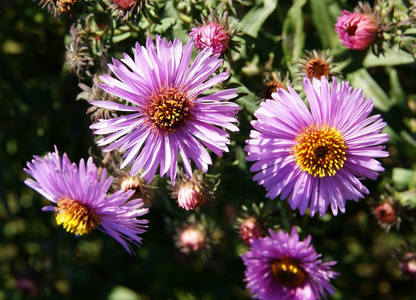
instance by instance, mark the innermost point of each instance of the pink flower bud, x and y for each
(190, 196)
(385, 213)
(357, 31)
(408, 265)
(211, 35)
(249, 229)
(192, 239)
(125, 4)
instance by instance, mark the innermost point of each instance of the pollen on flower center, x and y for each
(316, 68)
(75, 217)
(320, 151)
(288, 272)
(168, 108)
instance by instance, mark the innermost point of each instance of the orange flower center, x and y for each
(75, 217)
(288, 272)
(317, 68)
(272, 87)
(320, 151)
(168, 109)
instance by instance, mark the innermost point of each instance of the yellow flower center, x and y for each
(320, 151)
(288, 272)
(75, 217)
(316, 68)
(168, 109)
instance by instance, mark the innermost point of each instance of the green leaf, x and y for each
(121, 292)
(402, 177)
(362, 79)
(397, 93)
(409, 31)
(254, 19)
(121, 37)
(293, 35)
(392, 57)
(324, 16)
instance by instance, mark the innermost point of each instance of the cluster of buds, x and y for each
(78, 57)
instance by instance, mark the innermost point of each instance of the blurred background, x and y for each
(38, 109)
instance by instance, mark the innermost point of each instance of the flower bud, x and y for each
(192, 239)
(249, 229)
(211, 35)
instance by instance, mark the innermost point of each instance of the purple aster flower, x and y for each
(168, 115)
(81, 199)
(316, 156)
(282, 267)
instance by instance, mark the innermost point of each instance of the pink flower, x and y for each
(211, 35)
(168, 114)
(357, 31)
(281, 266)
(81, 199)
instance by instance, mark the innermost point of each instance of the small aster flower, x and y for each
(195, 191)
(273, 82)
(316, 64)
(81, 199)
(215, 33)
(358, 30)
(168, 115)
(316, 156)
(283, 267)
